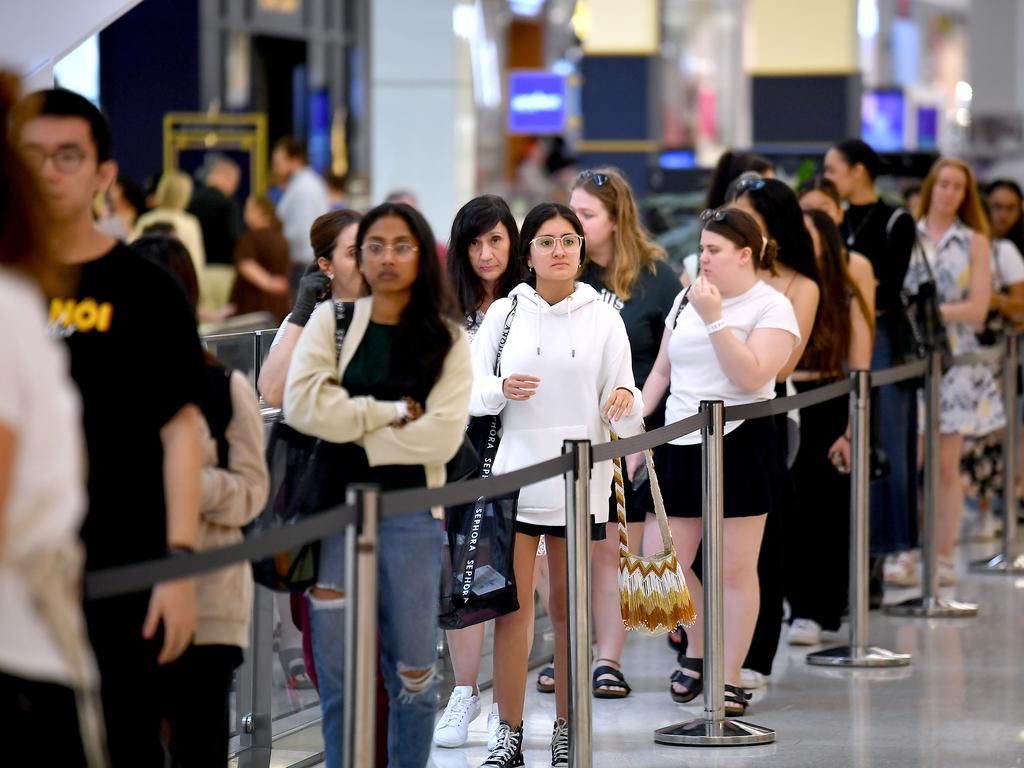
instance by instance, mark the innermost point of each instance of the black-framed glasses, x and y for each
(713, 214)
(599, 179)
(750, 183)
(66, 160)
(545, 244)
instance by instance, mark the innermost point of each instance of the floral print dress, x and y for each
(971, 404)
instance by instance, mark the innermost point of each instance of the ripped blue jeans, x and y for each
(408, 575)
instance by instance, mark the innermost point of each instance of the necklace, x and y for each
(852, 237)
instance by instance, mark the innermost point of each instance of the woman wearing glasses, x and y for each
(484, 264)
(397, 401)
(566, 373)
(727, 341)
(629, 272)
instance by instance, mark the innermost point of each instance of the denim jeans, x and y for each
(408, 573)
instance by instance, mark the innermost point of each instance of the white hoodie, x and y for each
(579, 350)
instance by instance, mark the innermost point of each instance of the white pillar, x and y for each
(996, 58)
(422, 125)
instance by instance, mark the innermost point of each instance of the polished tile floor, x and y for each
(959, 705)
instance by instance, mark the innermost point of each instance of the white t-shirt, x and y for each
(46, 501)
(696, 373)
(1007, 265)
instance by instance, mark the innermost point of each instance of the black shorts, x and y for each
(752, 472)
(597, 530)
(639, 502)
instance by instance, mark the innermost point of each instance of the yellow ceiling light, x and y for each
(582, 19)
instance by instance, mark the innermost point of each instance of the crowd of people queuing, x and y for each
(570, 326)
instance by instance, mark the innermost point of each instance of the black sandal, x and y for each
(736, 700)
(675, 640)
(692, 685)
(616, 688)
(548, 672)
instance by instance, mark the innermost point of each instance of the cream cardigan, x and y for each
(316, 404)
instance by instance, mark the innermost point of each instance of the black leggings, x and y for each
(198, 686)
(39, 718)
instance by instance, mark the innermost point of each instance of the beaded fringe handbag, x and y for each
(653, 596)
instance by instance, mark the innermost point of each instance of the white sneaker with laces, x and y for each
(804, 632)
(452, 729)
(751, 679)
(493, 721)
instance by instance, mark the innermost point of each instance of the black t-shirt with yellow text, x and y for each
(137, 361)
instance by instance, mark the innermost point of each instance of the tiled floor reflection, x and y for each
(960, 704)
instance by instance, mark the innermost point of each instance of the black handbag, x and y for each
(920, 330)
(306, 477)
(477, 570)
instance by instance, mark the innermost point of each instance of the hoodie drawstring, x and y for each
(540, 311)
(572, 346)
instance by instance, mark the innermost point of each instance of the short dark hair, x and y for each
(60, 102)
(292, 147)
(133, 194)
(480, 215)
(858, 151)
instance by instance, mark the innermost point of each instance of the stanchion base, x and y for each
(708, 733)
(858, 656)
(999, 564)
(933, 608)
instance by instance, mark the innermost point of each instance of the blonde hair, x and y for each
(174, 191)
(634, 249)
(970, 211)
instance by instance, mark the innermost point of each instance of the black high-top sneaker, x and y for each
(560, 742)
(508, 749)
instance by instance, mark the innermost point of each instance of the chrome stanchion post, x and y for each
(255, 686)
(1010, 560)
(930, 604)
(858, 653)
(577, 543)
(714, 729)
(361, 750)
(348, 733)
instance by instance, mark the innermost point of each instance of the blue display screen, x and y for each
(881, 119)
(927, 128)
(537, 103)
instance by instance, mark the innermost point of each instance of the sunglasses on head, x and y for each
(747, 184)
(713, 214)
(599, 179)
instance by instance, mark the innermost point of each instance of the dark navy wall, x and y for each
(149, 65)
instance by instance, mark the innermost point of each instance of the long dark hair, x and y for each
(729, 167)
(478, 216)
(424, 332)
(535, 220)
(829, 345)
(1016, 233)
(781, 212)
(23, 242)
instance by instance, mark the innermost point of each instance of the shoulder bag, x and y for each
(477, 574)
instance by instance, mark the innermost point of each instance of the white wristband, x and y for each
(716, 326)
(401, 410)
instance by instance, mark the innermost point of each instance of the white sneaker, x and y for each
(452, 729)
(751, 679)
(804, 632)
(492, 728)
(901, 570)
